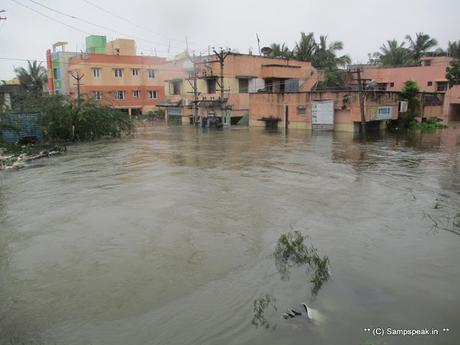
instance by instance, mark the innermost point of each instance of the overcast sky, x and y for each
(362, 25)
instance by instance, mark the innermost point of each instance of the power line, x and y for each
(128, 21)
(94, 24)
(50, 18)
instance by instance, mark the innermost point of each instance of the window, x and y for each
(174, 87)
(135, 72)
(120, 95)
(118, 72)
(97, 95)
(243, 85)
(301, 110)
(381, 86)
(96, 72)
(441, 86)
(152, 94)
(55, 73)
(151, 73)
(211, 83)
(392, 84)
(429, 83)
(136, 93)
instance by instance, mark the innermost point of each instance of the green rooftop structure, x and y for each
(96, 44)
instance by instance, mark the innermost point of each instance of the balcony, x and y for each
(281, 71)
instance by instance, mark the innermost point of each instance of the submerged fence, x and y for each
(17, 127)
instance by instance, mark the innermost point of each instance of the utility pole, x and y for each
(361, 100)
(77, 77)
(194, 87)
(361, 103)
(221, 58)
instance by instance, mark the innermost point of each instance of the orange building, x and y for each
(118, 77)
(243, 75)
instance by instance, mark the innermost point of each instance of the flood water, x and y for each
(168, 238)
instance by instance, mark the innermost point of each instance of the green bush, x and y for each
(61, 120)
(430, 124)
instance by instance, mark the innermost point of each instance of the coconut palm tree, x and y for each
(33, 79)
(325, 56)
(421, 44)
(394, 53)
(306, 47)
(453, 49)
(280, 50)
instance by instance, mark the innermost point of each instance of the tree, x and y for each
(306, 47)
(409, 93)
(395, 54)
(325, 56)
(453, 73)
(33, 79)
(280, 50)
(453, 49)
(421, 44)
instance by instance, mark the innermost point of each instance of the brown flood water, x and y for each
(168, 238)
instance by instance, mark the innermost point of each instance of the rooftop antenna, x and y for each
(2, 18)
(258, 43)
(186, 45)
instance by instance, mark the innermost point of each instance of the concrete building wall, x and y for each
(346, 107)
(135, 77)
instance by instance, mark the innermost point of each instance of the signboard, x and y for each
(380, 113)
(322, 113)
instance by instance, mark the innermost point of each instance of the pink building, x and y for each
(430, 77)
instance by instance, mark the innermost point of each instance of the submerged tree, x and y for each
(291, 251)
(33, 79)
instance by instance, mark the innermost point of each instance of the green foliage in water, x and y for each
(457, 220)
(260, 306)
(291, 251)
(430, 124)
(62, 120)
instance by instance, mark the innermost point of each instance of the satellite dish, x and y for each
(266, 51)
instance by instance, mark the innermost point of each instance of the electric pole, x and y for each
(221, 58)
(77, 76)
(194, 89)
(361, 100)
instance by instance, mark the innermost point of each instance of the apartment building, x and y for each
(111, 72)
(430, 76)
(243, 74)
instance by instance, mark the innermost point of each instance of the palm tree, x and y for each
(280, 50)
(421, 44)
(33, 79)
(325, 56)
(305, 49)
(395, 54)
(453, 49)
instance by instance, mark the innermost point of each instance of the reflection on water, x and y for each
(168, 238)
